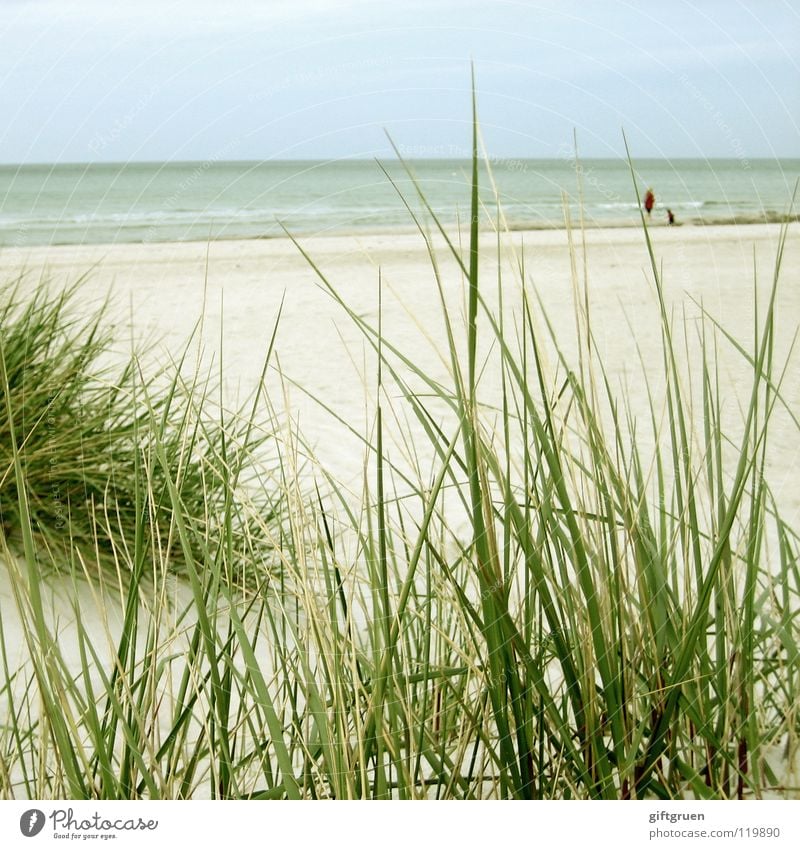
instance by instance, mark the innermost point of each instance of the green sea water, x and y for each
(175, 201)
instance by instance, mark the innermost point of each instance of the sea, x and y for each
(73, 204)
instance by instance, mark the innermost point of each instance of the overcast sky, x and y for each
(117, 81)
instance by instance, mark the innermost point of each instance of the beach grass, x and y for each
(79, 430)
(568, 602)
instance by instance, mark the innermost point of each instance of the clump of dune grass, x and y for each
(552, 610)
(80, 430)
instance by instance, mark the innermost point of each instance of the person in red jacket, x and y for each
(649, 201)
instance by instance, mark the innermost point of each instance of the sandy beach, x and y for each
(156, 291)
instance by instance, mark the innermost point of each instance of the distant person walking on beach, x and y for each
(670, 217)
(649, 201)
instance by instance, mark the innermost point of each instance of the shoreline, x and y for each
(539, 235)
(658, 222)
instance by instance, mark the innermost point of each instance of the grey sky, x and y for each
(85, 81)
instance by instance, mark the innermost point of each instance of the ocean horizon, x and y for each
(100, 203)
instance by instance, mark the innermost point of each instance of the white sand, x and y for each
(158, 289)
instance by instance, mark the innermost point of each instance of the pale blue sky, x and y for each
(116, 81)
